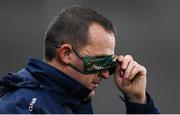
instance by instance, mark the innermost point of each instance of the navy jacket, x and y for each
(41, 88)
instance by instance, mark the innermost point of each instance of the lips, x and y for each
(96, 83)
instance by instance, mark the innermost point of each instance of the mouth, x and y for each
(96, 83)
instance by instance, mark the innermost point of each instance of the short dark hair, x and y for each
(71, 26)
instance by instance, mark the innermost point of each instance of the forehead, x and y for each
(101, 42)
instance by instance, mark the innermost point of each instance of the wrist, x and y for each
(141, 99)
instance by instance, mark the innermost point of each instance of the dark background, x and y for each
(149, 30)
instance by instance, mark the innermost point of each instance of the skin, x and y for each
(130, 77)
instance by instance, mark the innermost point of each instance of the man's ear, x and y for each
(64, 53)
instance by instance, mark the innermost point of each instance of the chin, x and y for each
(92, 86)
(92, 94)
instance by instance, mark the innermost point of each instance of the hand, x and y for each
(130, 78)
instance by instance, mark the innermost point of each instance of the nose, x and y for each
(104, 74)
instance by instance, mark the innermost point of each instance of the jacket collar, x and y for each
(55, 78)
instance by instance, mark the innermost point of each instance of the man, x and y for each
(79, 52)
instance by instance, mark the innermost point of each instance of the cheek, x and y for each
(78, 63)
(87, 79)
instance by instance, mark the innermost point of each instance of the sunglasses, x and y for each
(94, 64)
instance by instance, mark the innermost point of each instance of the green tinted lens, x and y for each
(96, 64)
(92, 64)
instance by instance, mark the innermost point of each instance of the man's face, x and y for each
(101, 43)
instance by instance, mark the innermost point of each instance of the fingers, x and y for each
(121, 58)
(133, 80)
(141, 70)
(119, 70)
(130, 67)
(126, 62)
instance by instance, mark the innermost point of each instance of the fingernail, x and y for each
(121, 58)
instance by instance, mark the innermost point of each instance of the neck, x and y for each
(63, 68)
(55, 64)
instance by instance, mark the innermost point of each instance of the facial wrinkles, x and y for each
(87, 52)
(100, 43)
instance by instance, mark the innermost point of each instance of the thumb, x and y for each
(119, 71)
(118, 75)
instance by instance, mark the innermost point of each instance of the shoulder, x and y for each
(27, 101)
(22, 100)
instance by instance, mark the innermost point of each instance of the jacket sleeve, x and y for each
(134, 108)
